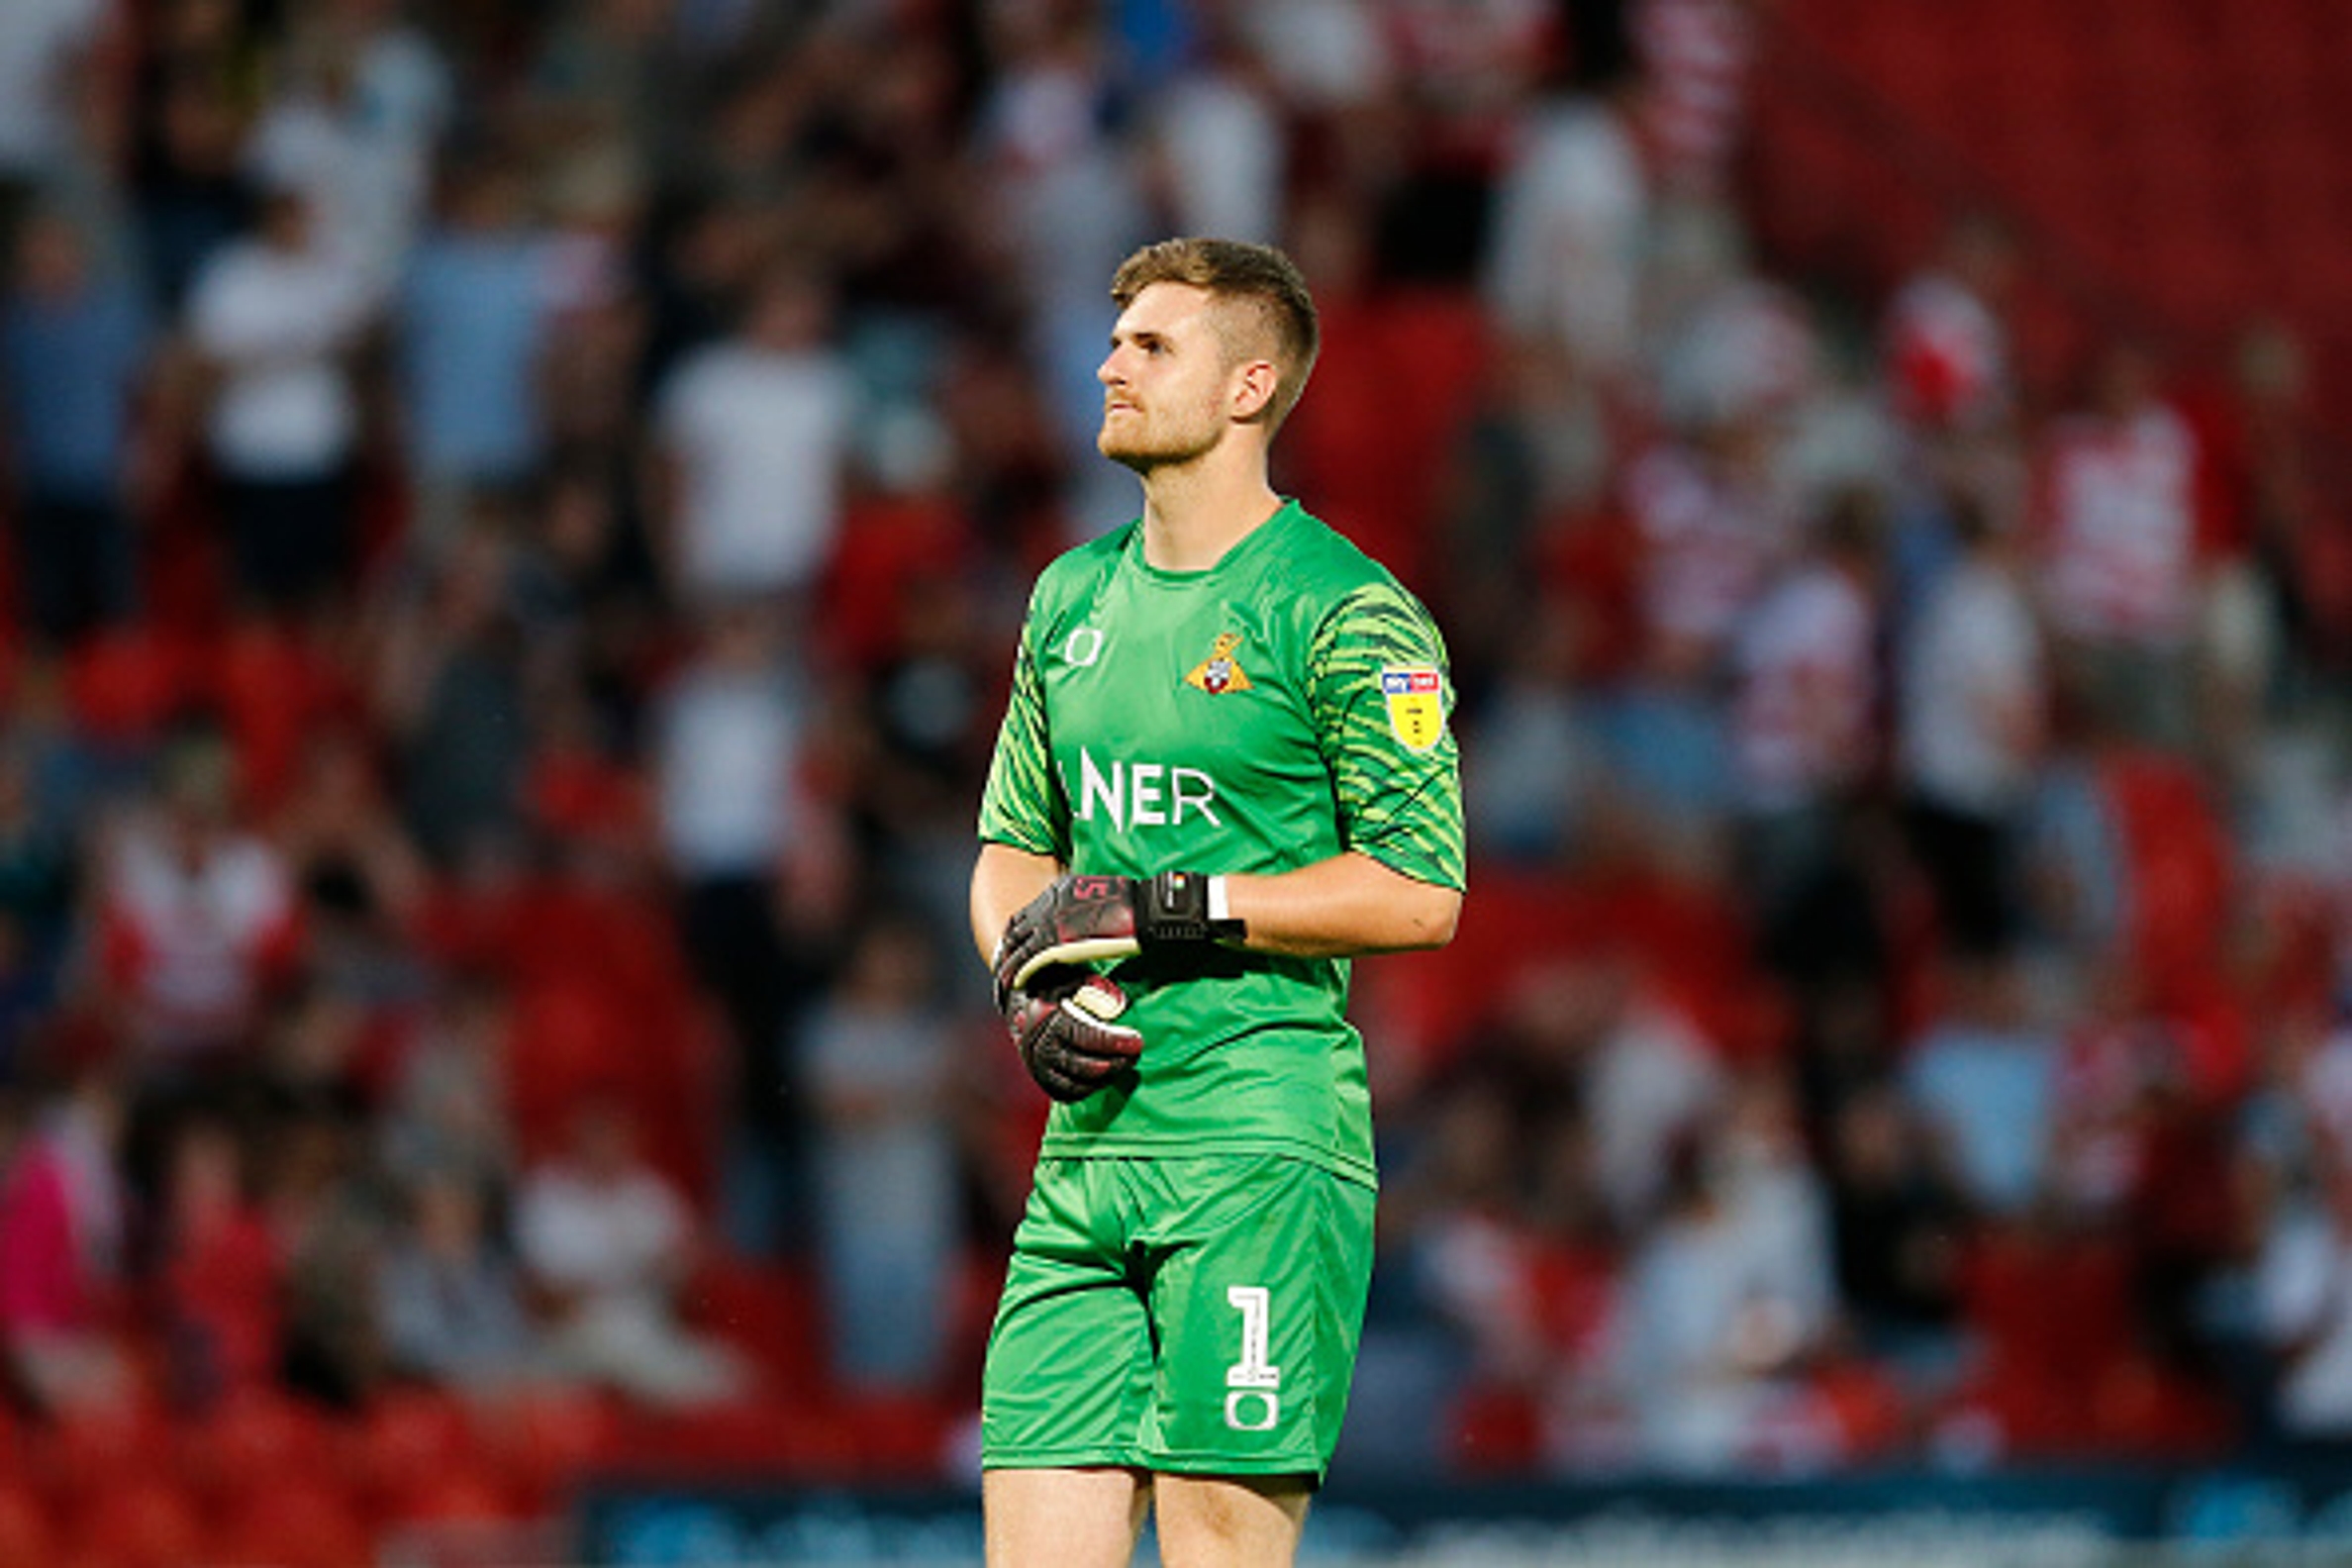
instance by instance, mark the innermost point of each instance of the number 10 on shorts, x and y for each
(1252, 1402)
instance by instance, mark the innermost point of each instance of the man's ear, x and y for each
(1256, 382)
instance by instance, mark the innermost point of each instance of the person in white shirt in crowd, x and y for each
(753, 852)
(1066, 205)
(1972, 723)
(755, 434)
(2303, 1283)
(881, 1057)
(2117, 534)
(278, 320)
(1730, 1294)
(609, 1242)
(1571, 231)
(50, 73)
(1216, 143)
(353, 125)
(1805, 706)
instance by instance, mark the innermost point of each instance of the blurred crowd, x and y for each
(518, 514)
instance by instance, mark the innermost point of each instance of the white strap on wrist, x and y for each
(1219, 908)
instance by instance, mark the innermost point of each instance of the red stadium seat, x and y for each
(295, 1525)
(28, 1535)
(138, 1521)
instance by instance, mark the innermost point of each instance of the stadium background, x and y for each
(518, 513)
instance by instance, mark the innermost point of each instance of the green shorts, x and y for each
(1193, 1315)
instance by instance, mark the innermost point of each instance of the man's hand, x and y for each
(1086, 919)
(1062, 1024)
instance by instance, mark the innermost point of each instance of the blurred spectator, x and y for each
(1565, 267)
(2116, 550)
(453, 1303)
(53, 83)
(609, 1242)
(1713, 529)
(1896, 1220)
(198, 917)
(350, 126)
(471, 328)
(1699, 55)
(1729, 1293)
(1984, 1080)
(1973, 706)
(455, 690)
(64, 1227)
(329, 1225)
(190, 190)
(753, 849)
(75, 350)
(880, 1060)
(277, 319)
(40, 876)
(1066, 207)
(1523, 785)
(446, 1115)
(220, 1269)
(1804, 711)
(2305, 1306)
(755, 431)
(1217, 140)
(1943, 346)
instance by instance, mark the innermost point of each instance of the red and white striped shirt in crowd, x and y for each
(1946, 357)
(1706, 549)
(193, 934)
(1802, 721)
(2117, 526)
(1696, 54)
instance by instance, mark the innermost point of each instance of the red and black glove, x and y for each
(1087, 919)
(1061, 1022)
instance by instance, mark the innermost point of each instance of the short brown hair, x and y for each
(1236, 270)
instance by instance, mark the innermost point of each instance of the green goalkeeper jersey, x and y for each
(1286, 704)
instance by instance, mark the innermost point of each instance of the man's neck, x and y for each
(1192, 514)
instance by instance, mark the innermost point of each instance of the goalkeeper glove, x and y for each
(1061, 1025)
(1082, 918)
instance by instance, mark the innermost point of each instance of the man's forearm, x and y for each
(1348, 905)
(1003, 880)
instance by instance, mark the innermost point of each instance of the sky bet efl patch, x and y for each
(1416, 703)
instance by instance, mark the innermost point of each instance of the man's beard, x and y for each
(1151, 447)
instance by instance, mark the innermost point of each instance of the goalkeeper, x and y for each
(1224, 768)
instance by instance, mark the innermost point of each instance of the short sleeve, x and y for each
(1383, 698)
(1021, 804)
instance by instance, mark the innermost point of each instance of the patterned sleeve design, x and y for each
(1022, 804)
(1382, 696)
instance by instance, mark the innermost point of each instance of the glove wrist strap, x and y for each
(1185, 906)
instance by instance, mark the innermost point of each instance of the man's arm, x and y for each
(1348, 905)
(1003, 880)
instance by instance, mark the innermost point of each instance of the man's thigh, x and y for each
(1063, 1517)
(1259, 1268)
(1068, 1375)
(1190, 1317)
(1229, 1522)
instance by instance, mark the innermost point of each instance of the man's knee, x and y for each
(1230, 1522)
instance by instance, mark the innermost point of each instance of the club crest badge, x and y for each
(1415, 696)
(1219, 672)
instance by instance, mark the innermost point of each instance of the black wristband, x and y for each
(1173, 907)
